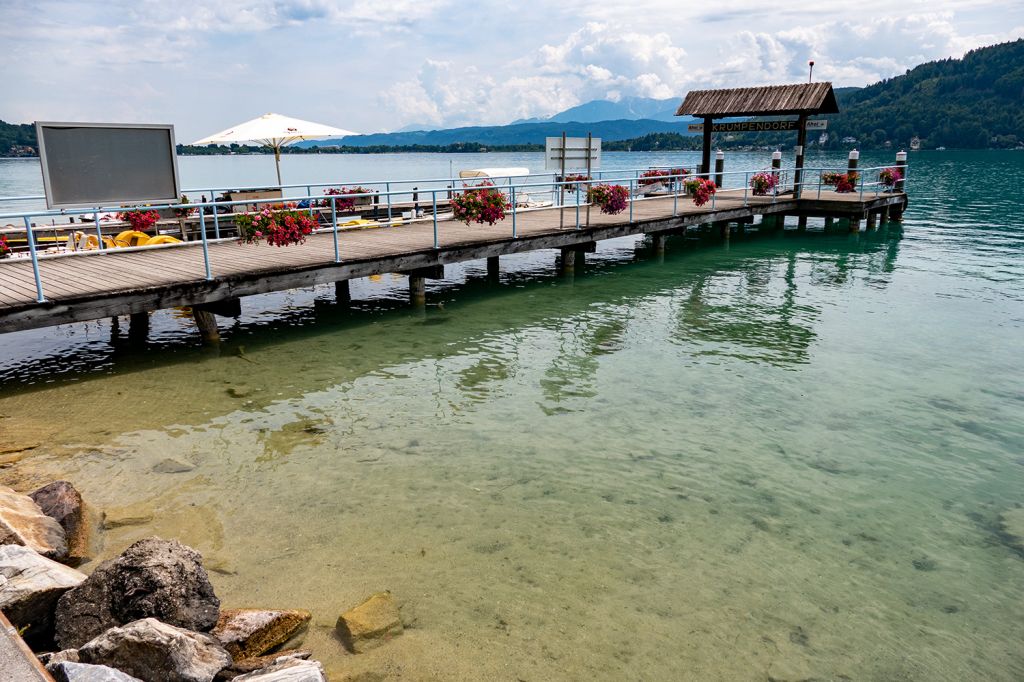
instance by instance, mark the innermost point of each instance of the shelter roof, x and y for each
(768, 100)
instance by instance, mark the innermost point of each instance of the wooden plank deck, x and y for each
(94, 285)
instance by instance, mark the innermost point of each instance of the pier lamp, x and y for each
(810, 70)
(777, 155)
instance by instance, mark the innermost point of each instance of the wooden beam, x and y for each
(705, 159)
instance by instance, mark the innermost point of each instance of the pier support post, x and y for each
(207, 324)
(855, 223)
(418, 290)
(138, 327)
(829, 221)
(883, 216)
(658, 242)
(801, 223)
(719, 168)
(342, 291)
(568, 261)
(493, 268)
(852, 161)
(801, 142)
(872, 218)
(723, 228)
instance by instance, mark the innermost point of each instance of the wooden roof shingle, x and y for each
(768, 100)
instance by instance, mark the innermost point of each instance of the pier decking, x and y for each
(108, 283)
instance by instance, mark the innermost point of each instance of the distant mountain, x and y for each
(519, 133)
(628, 108)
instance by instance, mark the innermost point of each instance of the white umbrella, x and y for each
(274, 130)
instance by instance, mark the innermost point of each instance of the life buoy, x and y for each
(132, 238)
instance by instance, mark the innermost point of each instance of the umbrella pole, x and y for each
(277, 161)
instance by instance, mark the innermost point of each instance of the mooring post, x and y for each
(658, 242)
(493, 268)
(896, 212)
(770, 220)
(568, 260)
(206, 322)
(138, 327)
(719, 167)
(342, 291)
(851, 170)
(418, 290)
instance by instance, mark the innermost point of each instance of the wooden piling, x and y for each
(138, 327)
(801, 223)
(658, 243)
(829, 221)
(568, 260)
(206, 322)
(801, 142)
(855, 224)
(342, 291)
(705, 161)
(872, 218)
(418, 290)
(493, 268)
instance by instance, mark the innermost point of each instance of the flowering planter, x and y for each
(479, 204)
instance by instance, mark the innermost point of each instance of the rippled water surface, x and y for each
(785, 458)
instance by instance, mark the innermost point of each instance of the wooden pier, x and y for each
(114, 282)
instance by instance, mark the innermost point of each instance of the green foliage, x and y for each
(13, 135)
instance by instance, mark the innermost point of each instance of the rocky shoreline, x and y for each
(150, 613)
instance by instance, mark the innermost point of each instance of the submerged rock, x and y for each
(250, 632)
(69, 671)
(370, 624)
(30, 586)
(130, 515)
(153, 578)
(62, 503)
(172, 466)
(155, 651)
(22, 522)
(1012, 524)
(287, 670)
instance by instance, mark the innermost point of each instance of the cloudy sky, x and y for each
(204, 65)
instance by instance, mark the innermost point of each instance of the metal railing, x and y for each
(638, 188)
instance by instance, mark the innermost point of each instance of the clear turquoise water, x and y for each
(783, 458)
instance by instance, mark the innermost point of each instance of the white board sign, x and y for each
(575, 153)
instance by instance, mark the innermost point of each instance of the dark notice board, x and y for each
(91, 164)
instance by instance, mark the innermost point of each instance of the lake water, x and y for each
(780, 458)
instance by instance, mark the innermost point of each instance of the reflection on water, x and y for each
(782, 458)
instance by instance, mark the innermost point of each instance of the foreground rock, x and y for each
(30, 586)
(246, 633)
(259, 663)
(68, 671)
(62, 503)
(22, 522)
(288, 670)
(370, 624)
(153, 578)
(155, 652)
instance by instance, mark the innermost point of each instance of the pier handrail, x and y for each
(630, 178)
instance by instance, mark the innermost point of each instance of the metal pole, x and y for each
(746, 187)
(334, 222)
(675, 197)
(514, 233)
(578, 203)
(35, 260)
(206, 247)
(631, 190)
(433, 197)
(216, 223)
(99, 233)
(387, 188)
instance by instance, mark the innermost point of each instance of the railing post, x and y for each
(433, 198)
(578, 203)
(631, 190)
(514, 233)
(719, 168)
(334, 222)
(35, 260)
(99, 232)
(387, 188)
(901, 166)
(216, 223)
(746, 188)
(675, 195)
(206, 246)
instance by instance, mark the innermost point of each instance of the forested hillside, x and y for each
(976, 102)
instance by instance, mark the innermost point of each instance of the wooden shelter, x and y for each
(801, 100)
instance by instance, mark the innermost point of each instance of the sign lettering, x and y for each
(756, 126)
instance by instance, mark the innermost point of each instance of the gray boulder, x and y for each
(153, 578)
(22, 522)
(68, 671)
(157, 652)
(287, 670)
(30, 586)
(62, 503)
